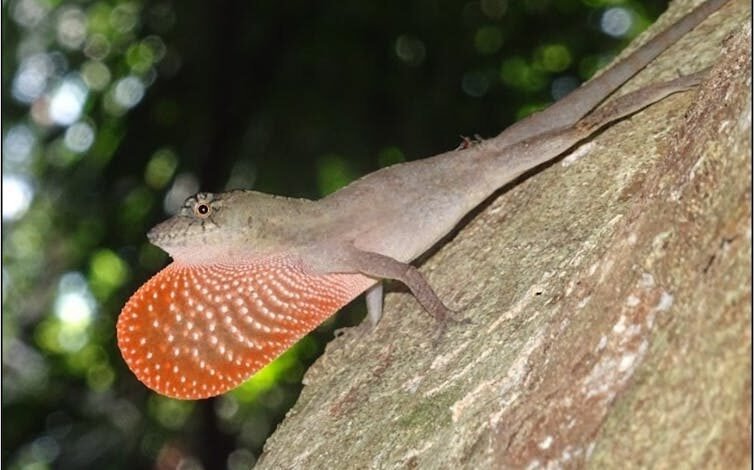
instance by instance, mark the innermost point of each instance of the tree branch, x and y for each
(609, 295)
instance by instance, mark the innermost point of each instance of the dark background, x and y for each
(114, 111)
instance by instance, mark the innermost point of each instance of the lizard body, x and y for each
(253, 273)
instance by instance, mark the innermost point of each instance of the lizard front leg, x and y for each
(374, 303)
(384, 267)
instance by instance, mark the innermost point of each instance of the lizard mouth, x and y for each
(177, 231)
(161, 232)
(186, 237)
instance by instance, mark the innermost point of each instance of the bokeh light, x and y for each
(475, 83)
(79, 137)
(488, 39)
(17, 196)
(67, 100)
(410, 50)
(185, 185)
(96, 75)
(18, 145)
(128, 92)
(71, 27)
(32, 77)
(74, 307)
(616, 22)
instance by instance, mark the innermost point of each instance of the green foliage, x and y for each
(115, 111)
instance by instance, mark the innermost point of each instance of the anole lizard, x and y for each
(253, 273)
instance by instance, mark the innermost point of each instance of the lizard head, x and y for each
(212, 227)
(205, 220)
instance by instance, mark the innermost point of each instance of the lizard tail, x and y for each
(581, 101)
(635, 101)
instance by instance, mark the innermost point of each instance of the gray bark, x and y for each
(609, 296)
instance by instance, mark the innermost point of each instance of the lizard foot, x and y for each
(451, 319)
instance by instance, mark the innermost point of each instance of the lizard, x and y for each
(252, 273)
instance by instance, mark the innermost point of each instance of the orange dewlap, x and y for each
(196, 331)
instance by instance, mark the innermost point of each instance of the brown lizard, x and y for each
(253, 273)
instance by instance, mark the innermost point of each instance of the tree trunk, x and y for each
(609, 298)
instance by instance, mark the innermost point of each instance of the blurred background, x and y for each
(115, 111)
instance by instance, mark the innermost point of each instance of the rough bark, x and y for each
(610, 296)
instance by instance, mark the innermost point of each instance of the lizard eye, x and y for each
(201, 205)
(201, 209)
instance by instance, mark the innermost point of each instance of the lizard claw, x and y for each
(361, 330)
(450, 319)
(468, 142)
